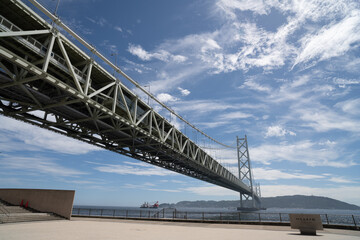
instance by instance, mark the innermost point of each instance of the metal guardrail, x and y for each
(219, 217)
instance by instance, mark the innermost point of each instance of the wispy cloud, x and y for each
(160, 54)
(275, 174)
(323, 119)
(351, 106)
(332, 40)
(128, 168)
(340, 180)
(20, 135)
(38, 165)
(99, 21)
(305, 151)
(253, 85)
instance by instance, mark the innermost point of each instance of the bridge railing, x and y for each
(330, 220)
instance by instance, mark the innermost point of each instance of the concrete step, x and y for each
(27, 217)
(15, 209)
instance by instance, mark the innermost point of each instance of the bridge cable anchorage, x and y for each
(57, 21)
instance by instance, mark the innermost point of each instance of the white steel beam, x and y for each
(48, 53)
(87, 83)
(101, 89)
(115, 99)
(23, 33)
(69, 65)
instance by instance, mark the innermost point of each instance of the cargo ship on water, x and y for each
(147, 205)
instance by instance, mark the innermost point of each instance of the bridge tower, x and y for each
(246, 175)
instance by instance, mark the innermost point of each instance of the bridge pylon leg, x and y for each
(245, 173)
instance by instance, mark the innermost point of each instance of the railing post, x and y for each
(280, 217)
(354, 220)
(175, 214)
(203, 217)
(239, 217)
(163, 212)
(327, 219)
(259, 218)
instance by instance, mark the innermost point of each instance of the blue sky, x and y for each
(285, 73)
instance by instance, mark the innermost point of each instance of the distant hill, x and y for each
(297, 201)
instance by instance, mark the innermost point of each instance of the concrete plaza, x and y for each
(90, 228)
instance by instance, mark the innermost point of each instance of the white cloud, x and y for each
(138, 51)
(133, 169)
(184, 92)
(202, 106)
(235, 115)
(160, 54)
(117, 28)
(332, 40)
(351, 106)
(23, 136)
(305, 151)
(230, 6)
(163, 190)
(178, 58)
(37, 164)
(278, 131)
(328, 143)
(344, 82)
(340, 180)
(165, 97)
(250, 84)
(274, 174)
(324, 119)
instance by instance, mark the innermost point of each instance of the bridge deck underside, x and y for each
(48, 81)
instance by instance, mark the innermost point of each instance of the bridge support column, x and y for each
(245, 173)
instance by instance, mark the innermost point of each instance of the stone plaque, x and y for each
(306, 223)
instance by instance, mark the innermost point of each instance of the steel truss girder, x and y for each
(144, 134)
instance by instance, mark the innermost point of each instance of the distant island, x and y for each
(296, 201)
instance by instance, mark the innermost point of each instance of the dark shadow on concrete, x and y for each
(299, 234)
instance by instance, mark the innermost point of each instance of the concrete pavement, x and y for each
(87, 228)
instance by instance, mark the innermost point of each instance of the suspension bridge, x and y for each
(56, 80)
